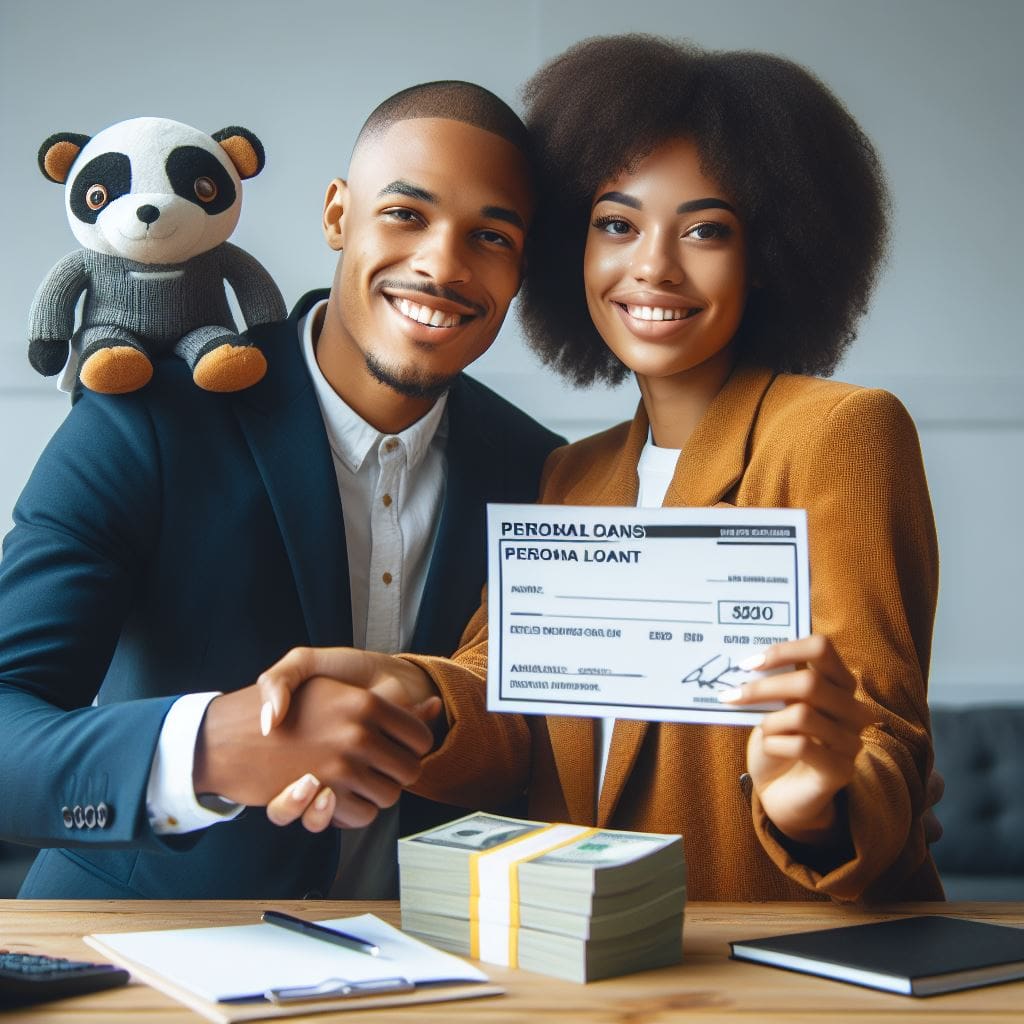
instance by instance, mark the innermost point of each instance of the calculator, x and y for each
(31, 978)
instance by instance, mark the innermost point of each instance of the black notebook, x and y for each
(915, 956)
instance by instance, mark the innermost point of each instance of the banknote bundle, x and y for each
(567, 900)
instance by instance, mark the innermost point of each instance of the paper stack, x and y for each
(574, 902)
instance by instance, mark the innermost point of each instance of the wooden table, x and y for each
(706, 987)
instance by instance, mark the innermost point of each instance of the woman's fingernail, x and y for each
(754, 661)
(266, 718)
(321, 800)
(305, 787)
(731, 696)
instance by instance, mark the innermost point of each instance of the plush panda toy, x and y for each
(153, 202)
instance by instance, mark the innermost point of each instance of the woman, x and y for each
(729, 217)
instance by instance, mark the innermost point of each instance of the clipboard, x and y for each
(227, 973)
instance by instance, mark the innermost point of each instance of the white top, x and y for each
(655, 469)
(392, 491)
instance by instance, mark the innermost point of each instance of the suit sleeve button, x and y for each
(69, 818)
(103, 815)
(79, 815)
(89, 814)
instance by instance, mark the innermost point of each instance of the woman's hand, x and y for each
(392, 678)
(800, 757)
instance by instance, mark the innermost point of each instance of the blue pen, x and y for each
(318, 931)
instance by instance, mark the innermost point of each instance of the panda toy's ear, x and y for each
(58, 153)
(244, 150)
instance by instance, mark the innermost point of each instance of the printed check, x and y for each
(639, 612)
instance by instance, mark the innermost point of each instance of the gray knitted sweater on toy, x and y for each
(158, 302)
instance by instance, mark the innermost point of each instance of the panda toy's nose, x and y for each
(147, 214)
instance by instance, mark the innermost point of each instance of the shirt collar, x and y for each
(351, 438)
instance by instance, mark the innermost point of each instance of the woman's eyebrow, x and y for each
(704, 204)
(619, 197)
(689, 206)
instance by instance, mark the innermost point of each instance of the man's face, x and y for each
(432, 221)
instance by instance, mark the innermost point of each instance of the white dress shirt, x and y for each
(392, 491)
(655, 469)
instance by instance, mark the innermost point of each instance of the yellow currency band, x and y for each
(513, 869)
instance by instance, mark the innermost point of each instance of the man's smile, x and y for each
(428, 316)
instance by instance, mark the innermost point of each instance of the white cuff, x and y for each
(170, 797)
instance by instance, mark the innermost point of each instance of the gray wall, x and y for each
(936, 83)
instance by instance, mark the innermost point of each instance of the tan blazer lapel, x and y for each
(715, 456)
(627, 740)
(619, 484)
(572, 743)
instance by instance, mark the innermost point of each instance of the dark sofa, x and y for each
(980, 752)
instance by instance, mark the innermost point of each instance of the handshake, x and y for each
(350, 726)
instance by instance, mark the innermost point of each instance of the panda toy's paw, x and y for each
(48, 355)
(115, 370)
(226, 366)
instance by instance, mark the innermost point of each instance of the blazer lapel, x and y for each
(715, 456)
(572, 744)
(284, 428)
(451, 592)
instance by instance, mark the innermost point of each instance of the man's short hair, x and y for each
(452, 101)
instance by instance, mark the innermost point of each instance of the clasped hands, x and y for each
(354, 737)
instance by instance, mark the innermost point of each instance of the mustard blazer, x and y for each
(848, 455)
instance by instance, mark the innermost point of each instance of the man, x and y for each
(176, 542)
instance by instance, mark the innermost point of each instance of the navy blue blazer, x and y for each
(173, 541)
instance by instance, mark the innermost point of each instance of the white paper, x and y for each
(239, 961)
(638, 612)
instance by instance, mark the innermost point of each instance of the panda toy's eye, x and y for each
(96, 197)
(205, 189)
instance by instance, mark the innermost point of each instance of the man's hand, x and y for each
(359, 744)
(397, 680)
(800, 757)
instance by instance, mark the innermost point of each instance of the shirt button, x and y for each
(387, 578)
(387, 500)
(391, 444)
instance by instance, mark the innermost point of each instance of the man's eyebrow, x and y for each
(503, 213)
(405, 188)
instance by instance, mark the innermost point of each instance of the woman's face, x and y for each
(665, 267)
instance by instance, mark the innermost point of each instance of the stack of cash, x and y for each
(565, 900)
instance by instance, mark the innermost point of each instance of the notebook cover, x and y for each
(910, 948)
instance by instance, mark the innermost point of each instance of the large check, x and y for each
(638, 612)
